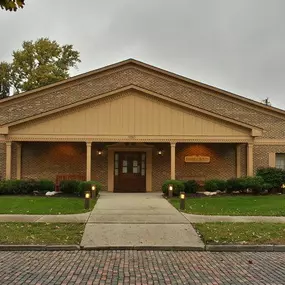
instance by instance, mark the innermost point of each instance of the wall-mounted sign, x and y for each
(197, 159)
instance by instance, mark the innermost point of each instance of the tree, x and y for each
(4, 79)
(12, 5)
(37, 64)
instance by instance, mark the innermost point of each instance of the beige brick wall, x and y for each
(261, 154)
(46, 160)
(222, 164)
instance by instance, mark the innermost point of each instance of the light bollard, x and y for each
(170, 190)
(87, 200)
(283, 188)
(93, 191)
(182, 200)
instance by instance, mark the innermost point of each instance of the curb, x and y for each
(245, 248)
(39, 247)
(153, 248)
(208, 248)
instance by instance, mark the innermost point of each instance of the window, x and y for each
(280, 160)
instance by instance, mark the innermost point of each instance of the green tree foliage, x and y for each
(5, 70)
(37, 64)
(12, 5)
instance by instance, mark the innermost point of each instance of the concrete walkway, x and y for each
(233, 219)
(140, 220)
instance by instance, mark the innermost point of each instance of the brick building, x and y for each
(131, 126)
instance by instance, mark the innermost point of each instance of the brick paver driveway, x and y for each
(141, 267)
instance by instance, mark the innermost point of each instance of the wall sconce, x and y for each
(160, 152)
(99, 152)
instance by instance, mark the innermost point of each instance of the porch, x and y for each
(129, 166)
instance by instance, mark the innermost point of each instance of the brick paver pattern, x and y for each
(141, 267)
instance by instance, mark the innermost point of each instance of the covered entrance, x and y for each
(130, 172)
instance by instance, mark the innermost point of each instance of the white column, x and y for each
(250, 159)
(19, 160)
(238, 160)
(173, 148)
(88, 160)
(8, 160)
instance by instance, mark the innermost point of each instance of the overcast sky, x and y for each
(235, 45)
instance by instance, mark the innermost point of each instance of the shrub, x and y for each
(253, 183)
(211, 186)
(178, 186)
(45, 185)
(191, 186)
(273, 176)
(86, 186)
(234, 184)
(26, 186)
(215, 185)
(69, 186)
(9, 187)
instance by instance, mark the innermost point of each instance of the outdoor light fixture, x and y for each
(99, 152)
(182, 200)
(93, 192)
(283, 188)
(170, 190)
(87, 200)
(160, 152)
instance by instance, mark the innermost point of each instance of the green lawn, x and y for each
(241, 233)
(42, 205)
(40, 233)
(271, 205)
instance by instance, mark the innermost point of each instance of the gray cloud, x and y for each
(234, 45)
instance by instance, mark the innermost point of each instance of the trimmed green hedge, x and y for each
(87, 186)
(69, 186)
(10, 187)
(274, 177)
(178, 186)
(191, 186)
(214, 185)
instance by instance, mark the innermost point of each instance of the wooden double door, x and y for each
(130, 172)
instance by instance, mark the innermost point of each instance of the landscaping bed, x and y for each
(242, 233)
(246, 205)
(33, 205)
(40, 234)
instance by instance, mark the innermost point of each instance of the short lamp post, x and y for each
(87, 200)
(283, 187)
(170, 190)
(182, 200)
(93, 191)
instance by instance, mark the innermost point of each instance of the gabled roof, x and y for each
(135, 63)
(151, 67)
(255, 131)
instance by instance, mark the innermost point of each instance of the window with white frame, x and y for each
(280, 160)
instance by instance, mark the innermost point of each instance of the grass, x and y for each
(38, 233)
(241, 233)
(42, 205)
(271, 205)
